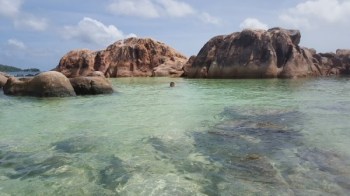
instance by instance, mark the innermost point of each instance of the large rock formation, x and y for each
(253, 54)
(124, 58)
(46, 84)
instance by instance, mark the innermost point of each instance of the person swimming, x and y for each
(172, 84)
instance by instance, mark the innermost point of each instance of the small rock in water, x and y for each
(114, 174)
(78, 144)
(251, 157)
(326, 161)
(343, 181)
(30, 168)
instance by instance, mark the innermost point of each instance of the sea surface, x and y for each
(23, 73)
(201, 137)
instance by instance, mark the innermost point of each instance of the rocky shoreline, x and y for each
(273, 53)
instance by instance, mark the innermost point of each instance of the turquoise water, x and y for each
(202, 137)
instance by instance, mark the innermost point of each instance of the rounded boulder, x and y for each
(46, 84)
(91, 85)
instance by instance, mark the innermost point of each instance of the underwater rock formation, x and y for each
(254, 151)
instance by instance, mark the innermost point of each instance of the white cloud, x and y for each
(130, 35)
(95, 32)
(207, 18)
(140, 8)
(32, 22)
(311, 12)
(176, 8)
(253, 23)
(159, 8)
(16, 44)
(10, 8)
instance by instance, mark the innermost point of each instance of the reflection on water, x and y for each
(203, 137)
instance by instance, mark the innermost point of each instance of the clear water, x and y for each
(202, 137)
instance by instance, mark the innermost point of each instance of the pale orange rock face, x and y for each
(125, 58)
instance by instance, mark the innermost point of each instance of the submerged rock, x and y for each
(265, 147)
(33, 169)
(10, 159)
(326, 161)
(114, 174)
(263, 131)
(238, 154)
(253, 167)
(253, 54)
(218, 166)
(125, 58)
(80, 144)
(317, 171)
(23, 166)
(46, 84)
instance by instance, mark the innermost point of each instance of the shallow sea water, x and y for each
(202, 137)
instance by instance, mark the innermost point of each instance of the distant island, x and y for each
(7, 68)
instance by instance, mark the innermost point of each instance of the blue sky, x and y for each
(37, 33)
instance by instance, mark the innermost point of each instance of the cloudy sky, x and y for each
(37, 33)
